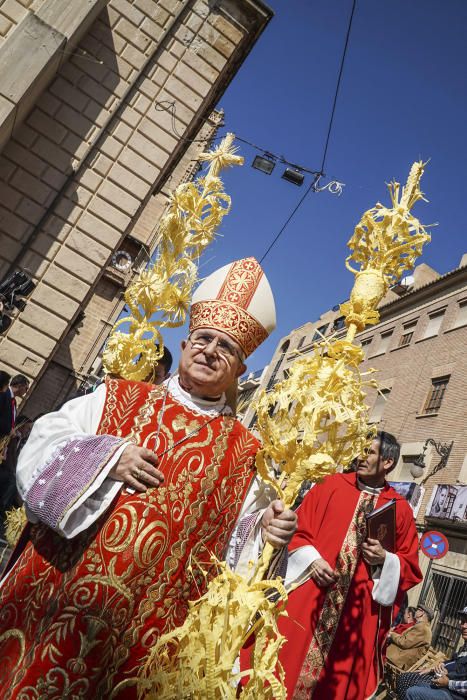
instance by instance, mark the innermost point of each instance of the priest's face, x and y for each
(209, 363)
(371, 468)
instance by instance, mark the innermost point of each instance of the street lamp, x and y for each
(418, 466)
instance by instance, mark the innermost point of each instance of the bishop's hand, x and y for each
(278, 525)
(137, 468)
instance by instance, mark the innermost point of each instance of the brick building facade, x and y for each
(418, 350)
(87, 159)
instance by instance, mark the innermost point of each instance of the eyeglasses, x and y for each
(223, 347)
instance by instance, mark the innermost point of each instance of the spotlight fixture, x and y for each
(265, 163)
(296, 177)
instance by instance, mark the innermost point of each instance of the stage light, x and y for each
(264, 163)
(294, 176)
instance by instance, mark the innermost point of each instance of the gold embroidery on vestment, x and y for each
(335, 597)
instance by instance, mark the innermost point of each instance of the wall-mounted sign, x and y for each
(434, 544)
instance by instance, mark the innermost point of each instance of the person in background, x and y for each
(162, 370)
(18, 388)
(23, 429)
(446, 681)
(4, 380)
(408, 620)
(340, 611)
(407, 647)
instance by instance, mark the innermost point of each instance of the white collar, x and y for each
(204, 406)
(369, 489)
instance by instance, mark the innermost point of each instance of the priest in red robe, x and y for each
(348, 585)
(129, 491)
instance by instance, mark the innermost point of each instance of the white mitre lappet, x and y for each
(237, 300)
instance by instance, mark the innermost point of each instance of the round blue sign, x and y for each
(434, 544)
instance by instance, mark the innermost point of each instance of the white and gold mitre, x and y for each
(237, 300)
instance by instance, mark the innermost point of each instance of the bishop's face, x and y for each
(210, 361)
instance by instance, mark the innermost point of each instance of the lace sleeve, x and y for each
(67, 475)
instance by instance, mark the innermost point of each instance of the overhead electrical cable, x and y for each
(314, 185)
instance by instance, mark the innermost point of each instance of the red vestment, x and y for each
(345, 655)
(78, 616)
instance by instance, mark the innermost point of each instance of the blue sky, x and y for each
(403, 97)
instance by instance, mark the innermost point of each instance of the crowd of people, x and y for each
(129, 486)
(14, 431)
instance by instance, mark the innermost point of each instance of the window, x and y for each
(365, 345)
(407, 334)
(272, 409)
(461, 318)
(407, 461)
(436, 395)
(434, 324)
(446, 594)
(319, 332)
(302, 340)
(384, 342)
(379, 405)
(339, 323)
(272, 379)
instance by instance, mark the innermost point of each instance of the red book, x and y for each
(381, 525)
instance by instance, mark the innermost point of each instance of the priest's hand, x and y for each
(278, 525)
(137, 468)
(322, 573)
(373, 553)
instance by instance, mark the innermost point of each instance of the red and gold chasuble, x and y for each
(78, 616)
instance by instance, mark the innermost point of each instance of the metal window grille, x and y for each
(436, 395)
(446, 595)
